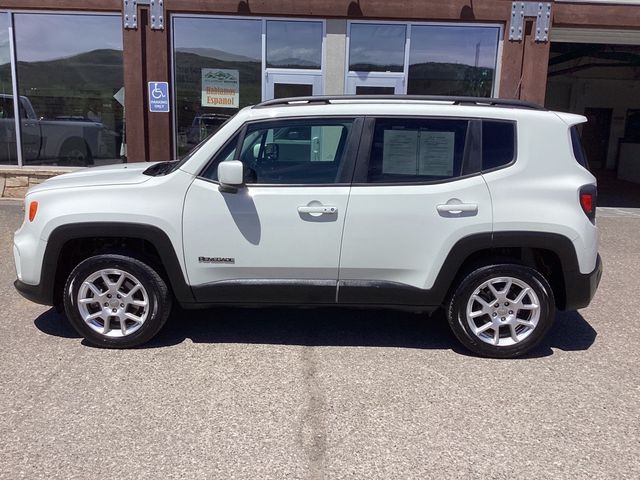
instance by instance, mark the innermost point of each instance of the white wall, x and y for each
(336, 55)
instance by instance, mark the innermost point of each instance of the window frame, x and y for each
(348, 162)
(474, 136)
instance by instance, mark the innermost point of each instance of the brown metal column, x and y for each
(158, 133)
(535, 65)
(511, 72)
(134, 95)
(524, 66)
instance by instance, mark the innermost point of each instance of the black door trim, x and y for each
(267, 291)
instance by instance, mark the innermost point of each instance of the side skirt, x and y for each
(305, 292)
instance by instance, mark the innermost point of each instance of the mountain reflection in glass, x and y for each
(451, 60)
(69, 69)
(213, 43)
(376, 48)
(294, 44)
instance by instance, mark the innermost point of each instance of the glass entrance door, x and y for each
(282, 85)
(373, 83)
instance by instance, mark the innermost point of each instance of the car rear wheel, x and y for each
(116, 301)
(501, 311)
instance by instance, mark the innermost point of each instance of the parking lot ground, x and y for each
(324, 393)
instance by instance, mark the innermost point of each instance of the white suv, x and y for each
(482, 206)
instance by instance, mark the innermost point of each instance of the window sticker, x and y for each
(435, 153)
(418, 152)
(399, 152)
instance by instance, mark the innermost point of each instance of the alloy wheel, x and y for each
(113, 302)
(503, 311)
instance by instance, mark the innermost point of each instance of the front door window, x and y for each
(293, 152)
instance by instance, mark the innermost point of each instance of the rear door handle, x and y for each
(328, 209)
(456, 208)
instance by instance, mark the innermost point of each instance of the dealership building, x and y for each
(111, 81)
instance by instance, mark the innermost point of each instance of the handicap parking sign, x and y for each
(159, 97)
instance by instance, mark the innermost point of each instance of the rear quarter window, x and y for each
(498, 143)
(578, 149)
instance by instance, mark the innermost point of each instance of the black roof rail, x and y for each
(326, 99)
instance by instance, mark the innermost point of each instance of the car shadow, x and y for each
(330, 326)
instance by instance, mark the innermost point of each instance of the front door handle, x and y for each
(318, 209)
(457, 208)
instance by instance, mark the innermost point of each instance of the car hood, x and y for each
(120, 174)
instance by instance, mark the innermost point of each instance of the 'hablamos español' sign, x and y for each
(220, 88)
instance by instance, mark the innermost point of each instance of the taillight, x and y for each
(33, 209)
(588, 201)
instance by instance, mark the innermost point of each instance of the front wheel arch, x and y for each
(87, 238)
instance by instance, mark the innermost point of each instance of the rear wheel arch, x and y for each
(552, 255)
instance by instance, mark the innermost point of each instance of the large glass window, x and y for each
(69, 75)
(442, 59)
(376, 48)
(449, 60)
(8, 153)
(218, 70)
(294, 44)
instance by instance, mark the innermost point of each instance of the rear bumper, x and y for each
(34, 293)
(580, 288)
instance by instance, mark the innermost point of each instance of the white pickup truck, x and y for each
(62, 140)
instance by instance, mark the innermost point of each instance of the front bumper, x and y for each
(34, 293)
(580, 288)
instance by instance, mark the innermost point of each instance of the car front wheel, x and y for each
(116, 301)
(501, 311)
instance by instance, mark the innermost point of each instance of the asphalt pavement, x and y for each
(324, 393)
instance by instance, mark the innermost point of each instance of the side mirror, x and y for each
(230, 175)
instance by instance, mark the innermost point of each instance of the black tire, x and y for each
(158, 301)
(75, 153)
(478, 342)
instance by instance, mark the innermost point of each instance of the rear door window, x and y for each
(413, 150)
